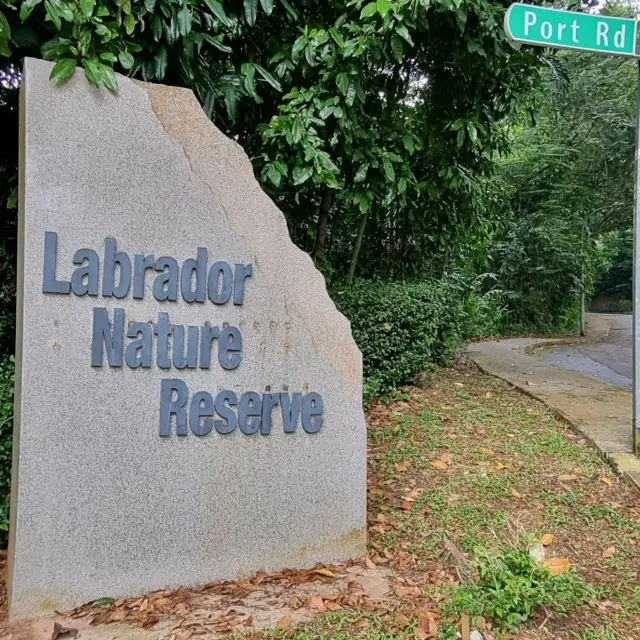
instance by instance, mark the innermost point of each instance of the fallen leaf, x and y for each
(500, 466)
(402, 466)
(567, 477)
(516, 494)
(361, 624)
(427, 624)
(607, 481)
(59, 631)
(607, 606)
(557, 566)
(486, 451)
(332, 606)
(317, 604)
(406, 506)
(402, 621)
(609, 553)
(438, 464)
(144, 605)
(532, 412)
(488, 394)
(546, 539)
(324, 572)
(103, 602)
(284, 622)
(369, 563)
(446, 458)
(458, 384)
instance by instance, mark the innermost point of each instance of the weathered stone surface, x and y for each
(103, 506)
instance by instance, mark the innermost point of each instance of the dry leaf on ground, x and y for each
(609, 553)
(557, 566)
(438, 464)
(546, 539)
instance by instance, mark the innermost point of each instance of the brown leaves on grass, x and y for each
(557, 566)
(278, 600)
(609, 553)
(546, 539)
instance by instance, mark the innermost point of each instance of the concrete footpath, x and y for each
(600, 411)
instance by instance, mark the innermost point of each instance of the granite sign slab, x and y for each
(188, 398)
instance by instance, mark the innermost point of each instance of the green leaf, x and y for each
(461, 136)
(27, 7)
(402, 185)
(184, 20)
(475, 47)
(337, 36)
(383, 7)
(325, 112)
(92, 71)
(268, 77)
(160, 62)
(109, 78)
(351, 95)
(396, 47)
(290, 10)
(103, 602)
(125, 59)
(129, 24)
(250, 11)
(218, 11)
(403, 32)
(407, 140)
(457, 125)
(388, 170)
(342, 81)
(150, 5)
(62, 9)
(107, 56)
(361, 173)
(249, 72)
(274, 174)
(368, 10)
(56, 48)
(301, 174)
(267, 6)
(364, 203)
(5, 29)
(63, 70)
(87, 7)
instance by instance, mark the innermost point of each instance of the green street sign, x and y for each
(570, 30)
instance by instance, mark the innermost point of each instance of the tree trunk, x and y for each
(356, 248)
(323, 220)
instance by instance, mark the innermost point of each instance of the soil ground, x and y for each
(457, 464)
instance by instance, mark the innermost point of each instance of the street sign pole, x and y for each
(546, 27)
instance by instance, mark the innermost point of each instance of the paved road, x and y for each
(609, 360)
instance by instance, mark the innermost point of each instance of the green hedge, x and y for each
(7, 373)
(402, 328)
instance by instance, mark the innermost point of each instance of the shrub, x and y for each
(401, 328)
(512, 586)
(7, 375)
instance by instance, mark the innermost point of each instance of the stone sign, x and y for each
(188, 398)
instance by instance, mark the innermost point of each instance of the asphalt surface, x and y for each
(609, 360)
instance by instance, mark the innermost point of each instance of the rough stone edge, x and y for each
(170, 105)
(17, 396)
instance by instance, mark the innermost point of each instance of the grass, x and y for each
(465, 459)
